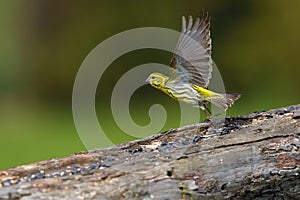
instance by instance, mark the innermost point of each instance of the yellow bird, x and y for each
(191, 68)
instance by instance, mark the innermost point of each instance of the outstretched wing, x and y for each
(192, 57)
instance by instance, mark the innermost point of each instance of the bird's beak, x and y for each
(148, 80)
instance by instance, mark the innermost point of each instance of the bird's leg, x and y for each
(207, 112)
(206, 108)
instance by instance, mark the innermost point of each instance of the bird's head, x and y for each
(157, 80)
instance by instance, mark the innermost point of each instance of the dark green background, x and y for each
(43, 43)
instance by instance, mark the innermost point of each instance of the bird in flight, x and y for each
(191, 68)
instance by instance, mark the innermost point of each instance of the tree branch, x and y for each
(253, 156)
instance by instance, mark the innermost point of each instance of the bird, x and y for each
(191, 69)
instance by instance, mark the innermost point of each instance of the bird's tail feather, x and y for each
(223, 101)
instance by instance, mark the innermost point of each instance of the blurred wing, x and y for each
(192, 57)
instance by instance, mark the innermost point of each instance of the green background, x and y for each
(256, 46)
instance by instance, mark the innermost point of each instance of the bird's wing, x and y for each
(192, 56)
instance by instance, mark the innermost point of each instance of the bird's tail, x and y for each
(223, 101)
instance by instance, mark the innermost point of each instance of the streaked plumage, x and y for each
(191, 68)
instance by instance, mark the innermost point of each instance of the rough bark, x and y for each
(254, 156)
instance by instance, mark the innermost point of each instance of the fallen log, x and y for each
(254, 156)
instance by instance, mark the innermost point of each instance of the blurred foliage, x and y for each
(43, 43)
